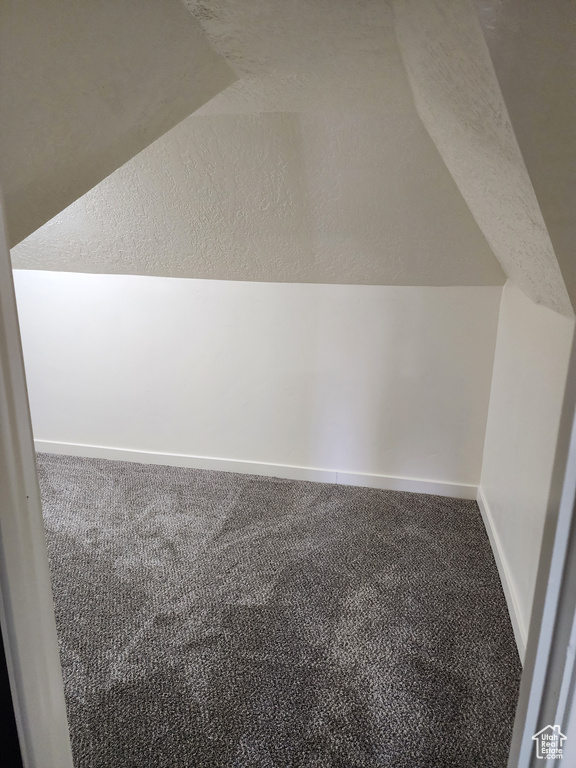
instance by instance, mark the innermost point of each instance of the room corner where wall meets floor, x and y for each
(255, 391)
(529, 378)
(375, 385)
(386, 387)
(214, 619)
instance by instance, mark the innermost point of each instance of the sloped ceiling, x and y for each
(458, 97)
(314, 166)
(306, 55)
(275, 197)
(533, 51)
(85, 86)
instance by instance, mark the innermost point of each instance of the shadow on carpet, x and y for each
(216, 620)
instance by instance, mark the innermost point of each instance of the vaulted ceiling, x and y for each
(354, 142)
(84, 86)
(458, 97)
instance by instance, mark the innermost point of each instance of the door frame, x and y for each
(26, 606)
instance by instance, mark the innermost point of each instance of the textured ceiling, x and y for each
(314, 166)
(306, 55)
(339, 183)
(314, 197)
(459, 100)
(84, 86)
(534, 57)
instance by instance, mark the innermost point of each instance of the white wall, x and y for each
(385, 381)
(530, 367)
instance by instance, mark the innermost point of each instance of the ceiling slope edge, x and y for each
(533, 53)
(458, 98)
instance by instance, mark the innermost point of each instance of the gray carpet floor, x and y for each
(215, 620)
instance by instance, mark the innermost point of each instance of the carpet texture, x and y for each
(216, 620)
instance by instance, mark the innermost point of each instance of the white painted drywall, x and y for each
(459, 100)
(84, 86)
(530, 367)
(324, 198)
(360, 379)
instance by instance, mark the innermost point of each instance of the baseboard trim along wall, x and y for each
(384, 482)
(520, 630)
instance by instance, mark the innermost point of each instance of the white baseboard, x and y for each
(410, 484)
(520, 630)
(384, 482)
